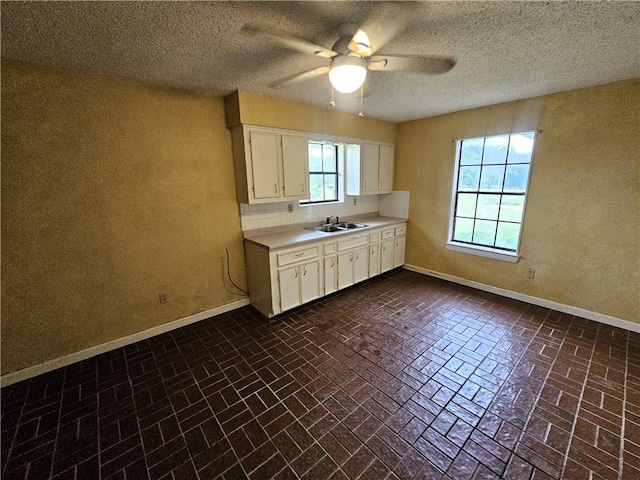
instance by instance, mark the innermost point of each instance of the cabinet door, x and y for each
(345, 270)
(289, 284)
(385, 169)
(310, 281)
(264, 164)
(386, 254)
(330, 274)
(374, 259)
(295, 166)
(369, 167)
(361, 264)
(398, 250)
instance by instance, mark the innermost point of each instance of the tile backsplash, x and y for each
(276, 214)
(395, 204)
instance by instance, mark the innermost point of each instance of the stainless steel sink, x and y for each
(327, 228)
(349, 225)
(336, 227)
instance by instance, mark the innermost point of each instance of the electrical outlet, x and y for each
(164, 298)
(290, 208)
(531, 273)
(355, 200)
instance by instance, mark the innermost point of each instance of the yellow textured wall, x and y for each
(255, 109)
(582, 223)
(111, 193)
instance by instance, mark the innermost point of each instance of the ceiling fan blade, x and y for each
(316, 72)
(387, 21)
(290, 41)
(411, 63)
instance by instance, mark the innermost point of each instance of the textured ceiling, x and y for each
(504, 50)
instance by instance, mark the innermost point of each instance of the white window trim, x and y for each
(502, 255)
(480, 250)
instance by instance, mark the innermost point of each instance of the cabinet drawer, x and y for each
(401, 229)
(387, 233)
(374, 236)
(329, 248)
(289, 257)
(351, 242)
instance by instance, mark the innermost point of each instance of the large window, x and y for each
(323, 172)
(491, 178)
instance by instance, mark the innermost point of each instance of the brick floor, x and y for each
(402, 377)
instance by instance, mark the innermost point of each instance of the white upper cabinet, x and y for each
(369, 163)
(385, 169)
(265, 164)
(295, 173)
(271, 165)
(370, 168)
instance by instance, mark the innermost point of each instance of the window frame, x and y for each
(337, 173)
(497, 253)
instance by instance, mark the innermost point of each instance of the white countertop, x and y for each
(292, 235)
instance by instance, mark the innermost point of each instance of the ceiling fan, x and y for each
(354, 53)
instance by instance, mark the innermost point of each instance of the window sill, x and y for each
(483, 252)
(312, 204)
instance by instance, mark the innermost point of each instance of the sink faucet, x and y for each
(328, 220)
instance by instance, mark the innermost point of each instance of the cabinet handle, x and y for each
(304, 270)
(296, 275)
(351, 257)
(365, 184)
(299, 254)
(275, 188)
(332, 263)
(303, 188)
(373, 252)
(357, 255)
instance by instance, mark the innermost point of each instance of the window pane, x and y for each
(466, 205)
(468, 179)
(329, 158)
(316, 188)
(495, 150)
(488, 206)
(471, 152)
(492, 178)
(484, 232)
(511, 208)
(516, 178)
(507, 236)
(520, 148)
(330, 187)
(463, 229)
(315, 157)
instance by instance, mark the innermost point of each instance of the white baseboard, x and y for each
(571, 310)
(50, 365)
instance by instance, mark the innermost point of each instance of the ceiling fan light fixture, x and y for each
(347, 73)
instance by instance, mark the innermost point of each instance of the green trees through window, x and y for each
(492, 174)
(323, 172)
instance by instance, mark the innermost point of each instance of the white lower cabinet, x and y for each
(392, 247)
(280, 280)
(353, 267)
(353, 259)
(374, 253)
(330, 263)
(386, 255)
(299, 284)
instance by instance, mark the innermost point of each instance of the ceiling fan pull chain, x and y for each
(360, 114)
(332, 103)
